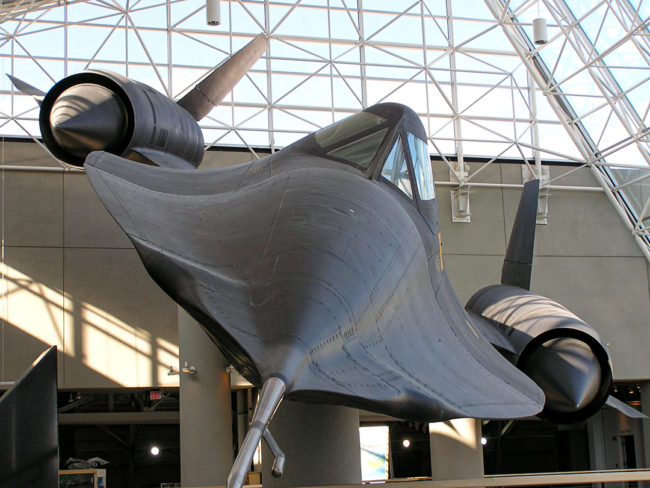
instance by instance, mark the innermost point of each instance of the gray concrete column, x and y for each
(456, 450)
(645, 408)
(596, 437)
(321, 444)
(205, 408)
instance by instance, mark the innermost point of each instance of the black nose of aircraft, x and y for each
(86, 118)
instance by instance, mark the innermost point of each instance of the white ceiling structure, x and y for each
(484, 90)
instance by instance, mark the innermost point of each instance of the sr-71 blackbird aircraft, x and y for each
(318, 270)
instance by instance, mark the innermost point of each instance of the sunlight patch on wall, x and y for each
(121, 353)
(167, 355)
(33, 307)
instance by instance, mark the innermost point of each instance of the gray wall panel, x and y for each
(486, 207)
(26, 153)
(124, 326)
(87, 222)
(469, 273)
(33, 209)
(579, 223)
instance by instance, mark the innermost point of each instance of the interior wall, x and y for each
(71, 278)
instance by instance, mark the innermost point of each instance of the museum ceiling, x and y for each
(485, 88)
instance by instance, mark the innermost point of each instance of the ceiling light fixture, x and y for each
(212, 12)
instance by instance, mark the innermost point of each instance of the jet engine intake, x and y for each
(554, 347)
(104, 111)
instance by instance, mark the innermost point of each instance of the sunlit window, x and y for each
(421, 167)
(361, 151)
(396, 170)
(374, 443)
(348, 128)
(355, 139)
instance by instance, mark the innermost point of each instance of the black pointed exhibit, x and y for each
(29, 445)
(319, 269)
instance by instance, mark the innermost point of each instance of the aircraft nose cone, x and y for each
(87, 117)
(568, 372)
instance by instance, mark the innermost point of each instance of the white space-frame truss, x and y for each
(469, 68)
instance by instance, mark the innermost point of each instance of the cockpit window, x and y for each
(347, 128)
(361, 151)
(354, 140)
(396, 170)
(421, 167)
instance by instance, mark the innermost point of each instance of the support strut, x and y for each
(270, 398)
(280, 458)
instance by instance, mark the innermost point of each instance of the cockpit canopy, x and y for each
(386, 136)
(355, 139)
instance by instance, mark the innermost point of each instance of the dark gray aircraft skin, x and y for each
(318, 270)
(312, 269)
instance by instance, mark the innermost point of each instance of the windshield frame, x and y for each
(398, 141)
(402, 133)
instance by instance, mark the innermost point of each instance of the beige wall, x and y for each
(71, 277)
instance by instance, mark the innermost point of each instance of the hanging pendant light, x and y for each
(540, 35)
(212, 12)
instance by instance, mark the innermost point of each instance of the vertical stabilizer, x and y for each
(27, 89)
(29, 440)
(518, 263)
(212, 89)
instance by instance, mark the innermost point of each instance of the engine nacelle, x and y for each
(104, 111)
(554, 347)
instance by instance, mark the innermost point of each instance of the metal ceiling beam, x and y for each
(529, 54)
(119, 418)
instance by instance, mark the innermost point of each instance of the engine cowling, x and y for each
(555, 348)
(104, 111)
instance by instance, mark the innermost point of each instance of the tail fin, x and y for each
(212, 89)
(27, 89)
(29, 444)
(518, 263)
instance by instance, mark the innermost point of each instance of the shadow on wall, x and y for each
(112, 325)
(70, 277)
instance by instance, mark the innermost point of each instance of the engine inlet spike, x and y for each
(87, 117)
(568, 372)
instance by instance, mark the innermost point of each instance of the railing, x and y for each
(591, 479)
(588, 478)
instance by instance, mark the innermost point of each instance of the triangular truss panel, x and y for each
(470, 69)
(594, 70)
